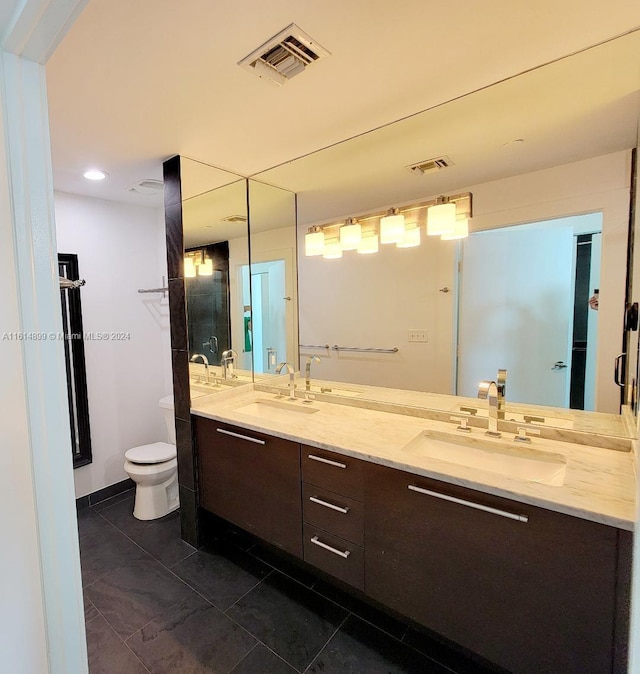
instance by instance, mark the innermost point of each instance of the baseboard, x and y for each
(105, 493)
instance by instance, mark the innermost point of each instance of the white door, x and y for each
(516, 311)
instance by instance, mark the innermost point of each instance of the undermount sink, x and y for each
(494, 456)
(277, 410)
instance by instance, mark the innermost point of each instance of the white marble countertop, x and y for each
(599, 483)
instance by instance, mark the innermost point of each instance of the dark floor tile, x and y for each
(120, 514)
(132, 595)
(102, 552)
(194, 637)
(162, 540)
(108, 654)
(222, 573)
(264, 661)
(376, 617)
(90, 611)
(359, 647)
(292, 620)
(108, 502)
(89, 522)
(282, 564)
(455, 660)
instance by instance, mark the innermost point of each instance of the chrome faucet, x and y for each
(489, 390)
(205, 362)
(501, 383)
(310, 359)
(292, 374)
(227, 361)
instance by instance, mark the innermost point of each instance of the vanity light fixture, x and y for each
(189, 268)
(441, 217)
(411, 237)
(314, 242)
(332, 249)
(369, 244)
(350, 235)
(95, 174)
(206, 268)
(392, 227)
(461, 230)
(446, 215)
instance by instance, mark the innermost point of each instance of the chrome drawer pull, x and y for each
(326, 504)
(242, 437)
(337, 464)
(469, 504)
(341, 553)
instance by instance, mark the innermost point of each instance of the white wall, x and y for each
(120, 248)
(375, 301)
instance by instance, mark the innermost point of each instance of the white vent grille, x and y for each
(148, 186)
(284, 56)
(430, 165)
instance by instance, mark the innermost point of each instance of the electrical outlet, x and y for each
(418, 335)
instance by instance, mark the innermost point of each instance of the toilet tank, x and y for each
(166, 405)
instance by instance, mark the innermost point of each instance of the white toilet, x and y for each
(154, 469)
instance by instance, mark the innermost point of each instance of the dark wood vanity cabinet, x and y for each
(527, 588)
(252, 480)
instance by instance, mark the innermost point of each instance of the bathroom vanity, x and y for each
(532, 575)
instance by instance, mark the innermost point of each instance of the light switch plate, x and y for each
(418, 335)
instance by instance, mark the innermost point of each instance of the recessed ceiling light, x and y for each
(95, 174)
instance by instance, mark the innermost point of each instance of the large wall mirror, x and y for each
(547, 157)
(217, 294)
(240, 277)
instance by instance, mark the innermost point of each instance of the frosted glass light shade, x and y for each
(392, 228)
(411, 238)
(461, 230)
(441, 219)
(368, 244)
(350, 236)
(313, 243)
(189, 267)
(206, 268)
(332, 250)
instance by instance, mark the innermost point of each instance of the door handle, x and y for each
(559, 365)
(618, 375)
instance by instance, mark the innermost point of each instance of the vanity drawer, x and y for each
(334, 472)
(339, 558)
(340, 515)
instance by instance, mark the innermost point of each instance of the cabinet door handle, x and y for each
(337, 464)
(242, 437)
(342, 553)
(326, 504)
(469, 504)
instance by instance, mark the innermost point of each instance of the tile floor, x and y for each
(154, 604)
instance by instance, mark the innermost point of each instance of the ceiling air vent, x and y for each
(284, 56)
(235, 218)
(148, 187)
(430, 165)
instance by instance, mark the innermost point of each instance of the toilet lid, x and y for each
(156, 452)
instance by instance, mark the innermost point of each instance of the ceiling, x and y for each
(136, 82)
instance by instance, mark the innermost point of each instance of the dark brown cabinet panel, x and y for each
(340, 515)
(529, 589)
(252, 480)
(334, 472)
(342, 559)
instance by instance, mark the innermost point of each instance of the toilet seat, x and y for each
(156, 452)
